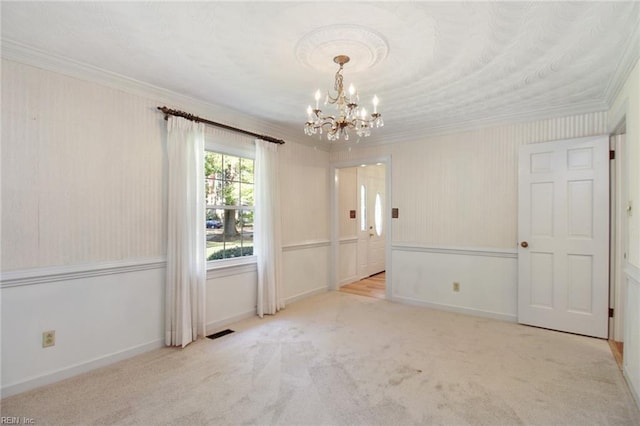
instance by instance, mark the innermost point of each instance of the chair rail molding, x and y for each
(464, 251)
(49, 274)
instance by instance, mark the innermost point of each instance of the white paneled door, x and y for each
(563, 231)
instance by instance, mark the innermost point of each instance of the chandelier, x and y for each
(349, 115)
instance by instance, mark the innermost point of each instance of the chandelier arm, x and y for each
(362, 120)
(328, 117)
(326, 121)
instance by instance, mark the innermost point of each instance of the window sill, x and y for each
(236, 266)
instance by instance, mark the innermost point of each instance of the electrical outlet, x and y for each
(48, 338)
(456, 286)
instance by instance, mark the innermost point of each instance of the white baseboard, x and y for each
(80, 368)
(221, 324)
(631, 370)
(293, 299)
(456, 309)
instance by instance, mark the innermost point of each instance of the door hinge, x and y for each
(610, 312)
(612, 155)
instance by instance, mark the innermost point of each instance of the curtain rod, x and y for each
(167, 112)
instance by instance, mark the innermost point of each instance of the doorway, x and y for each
(370, 198)
(361, 216)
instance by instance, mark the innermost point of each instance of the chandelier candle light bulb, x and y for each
(349, 115)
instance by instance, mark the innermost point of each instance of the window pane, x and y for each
(378, 214)
(212, 164)
(246, 194)
(246, 230)
(224, 235)
(231, 166)
(213, 176)
(363, 208)
(231, 193)
(215, 234)
(246, 170)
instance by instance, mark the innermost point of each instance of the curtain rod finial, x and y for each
(166, 112)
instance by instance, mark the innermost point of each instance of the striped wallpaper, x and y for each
(82, 171)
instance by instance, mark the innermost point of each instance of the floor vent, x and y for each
(219, 334)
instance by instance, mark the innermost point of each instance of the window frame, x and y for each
(245, 151)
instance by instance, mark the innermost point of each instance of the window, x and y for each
(378, 215)
(363, 208)
(229, 216)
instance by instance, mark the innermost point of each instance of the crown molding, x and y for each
(28, 55)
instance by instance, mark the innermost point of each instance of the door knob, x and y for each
(524, 244)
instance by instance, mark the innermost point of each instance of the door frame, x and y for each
(335, 238)
(618, 125)
(619, 231)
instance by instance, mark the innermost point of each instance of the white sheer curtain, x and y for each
(186, 270)
(267, 239)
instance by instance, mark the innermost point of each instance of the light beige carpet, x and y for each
(338, 359)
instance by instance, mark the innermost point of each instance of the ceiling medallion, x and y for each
(350, 116)
(364, 46)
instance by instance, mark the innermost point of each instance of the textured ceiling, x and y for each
(434, 66)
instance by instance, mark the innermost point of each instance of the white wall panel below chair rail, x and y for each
(348, 261)
(306, 269)
(486, 280)
(97, 320)
(631, 357)
(103, 313)
(231, 296)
